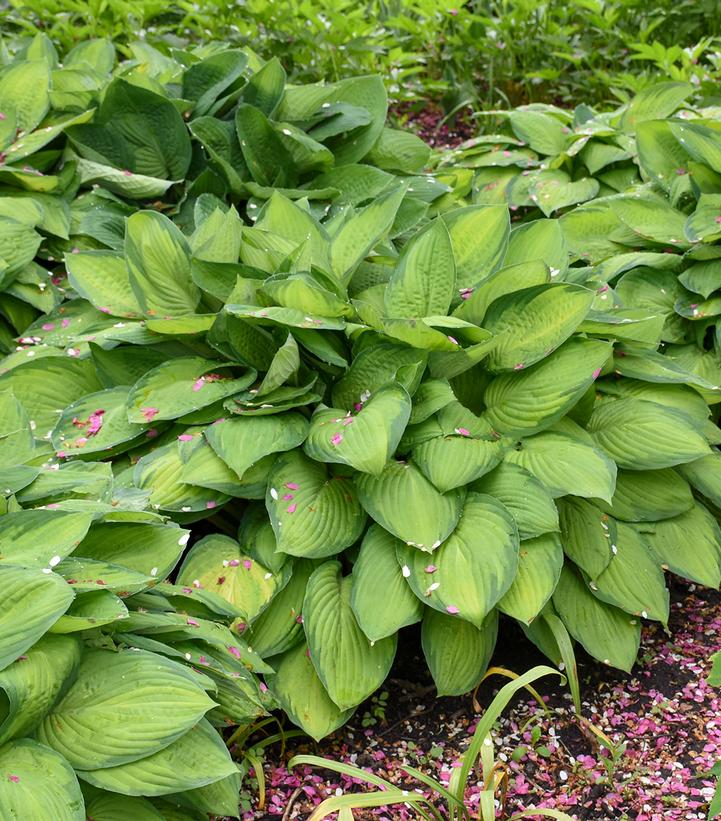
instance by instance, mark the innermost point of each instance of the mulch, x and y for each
(665, 714)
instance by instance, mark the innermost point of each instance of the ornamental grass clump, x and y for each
(272, 393)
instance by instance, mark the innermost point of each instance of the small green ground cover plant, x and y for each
(273, 392)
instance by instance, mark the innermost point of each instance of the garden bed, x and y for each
(665, 712)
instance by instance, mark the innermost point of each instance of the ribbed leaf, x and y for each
(123, 707)
(40, 538)
(566, 465)
(218, 563)
(301, 694)
(457, 653)
(32, 600)
(365, 440)
(525, 498)
(528, 401)
(32, 684)
(197, 758)
(38, 783)
(649, 495)
(350, 666)
(406, 504)
(454, 461)
(588, 535)
(423, 281)
(473, 568)
(539, 567)
(182, 385)
(642, 435)
(312, 514)
(689, 545)
(381, 599)
(606, 633)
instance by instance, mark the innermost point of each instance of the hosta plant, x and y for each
(272, 394)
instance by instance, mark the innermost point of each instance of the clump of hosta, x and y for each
(368, 403)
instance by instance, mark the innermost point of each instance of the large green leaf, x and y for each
(218, 564)
(123, 707)
(350, 666)
(649, 495)
(454, 461)
(31, 684)
(457, 652)
(473, 568)
(366, 439)
(24, 91)
(182, 385)
(32, 600)
(313, 514)
(565, 464)
(533, 322)
(641, 435)
(539, 567)
(40, 538)
(302, 695)
(102, 278)
(381, 599)
(688, 544)
(606, 633)
(524, 496)
(407, 505)
(242, 442)
(158, 260)
(36, 782)
(195, 759)
(588, 535)
(530, 400)
(479, 237)
(633, 579)
(423, 281)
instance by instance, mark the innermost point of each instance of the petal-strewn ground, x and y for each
(665, 713)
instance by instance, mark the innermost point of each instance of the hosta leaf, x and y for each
(589, 536)
(312, 514)
(350, 666)
(102, 278)
(424, 278)
(89, 575)
(541, 132)
(406, 504)
(45, 387)
(91, 609)
(158, 259)
(565, 464)
(16, 438)
(182, 385)
(642, 435)
(195, 759)
(160, 474)
(479, 237)
(671, 539)
(381, 599)
(31, 684)
(268, 160)
(302, 695)
(533, 399)
(112, 807)
(40, 538)
(36, 782)
(526, 499)
(24, 90)
(633, 579)
(605, 632)
(457, 652)
(32, 600)
(149, 549)
(123, 707)
(654, 102)
(649, 495)
(473, 568)
(95, 424)
(454, 461)
(704, 475)
(365, 440)
(553, 190)
(217, 562)
(533, 322)
(242, 442)
(279, 626)
(539, 567)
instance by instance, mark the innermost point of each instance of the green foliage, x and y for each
(482, 53)
(246, 307)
